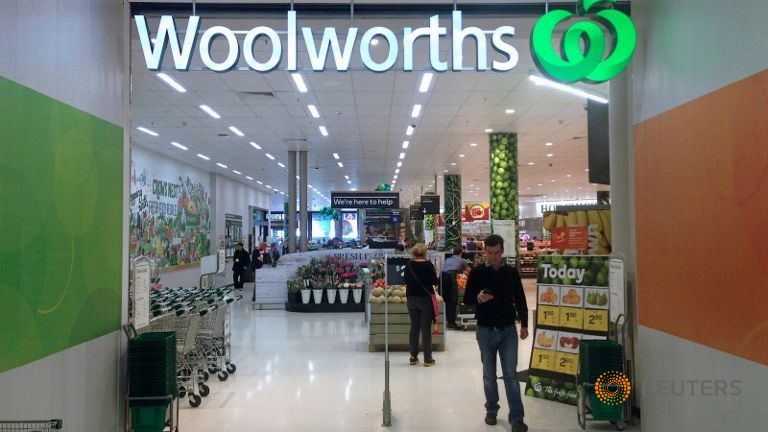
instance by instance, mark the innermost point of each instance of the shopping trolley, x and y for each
(214, 340)
(30, 425)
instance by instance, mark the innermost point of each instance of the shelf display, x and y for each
(572, 300)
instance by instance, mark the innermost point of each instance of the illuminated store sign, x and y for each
(341, 50)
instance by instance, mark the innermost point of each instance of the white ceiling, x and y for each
(366, 115)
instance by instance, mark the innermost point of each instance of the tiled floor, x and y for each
(302, 372)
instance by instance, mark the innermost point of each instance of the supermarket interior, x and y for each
(222, 214)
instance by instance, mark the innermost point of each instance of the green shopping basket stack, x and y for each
(597, 357)
(152, 371)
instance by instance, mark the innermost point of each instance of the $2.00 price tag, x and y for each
(596, 320)
(543, 359)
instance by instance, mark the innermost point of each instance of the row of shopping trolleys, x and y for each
(199, 318)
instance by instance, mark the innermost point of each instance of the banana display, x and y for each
(598, 223)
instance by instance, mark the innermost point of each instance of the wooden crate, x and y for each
(399, 328)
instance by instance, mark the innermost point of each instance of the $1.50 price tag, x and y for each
(566, 363)
(571, 318)
(596, 320)
(548, 316)
(543, 359)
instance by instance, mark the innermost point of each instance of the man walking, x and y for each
(241, 261)
(497, 291)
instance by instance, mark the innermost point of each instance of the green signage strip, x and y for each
(584, 54)
(61, 256)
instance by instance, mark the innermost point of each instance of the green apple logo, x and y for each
(587, 61)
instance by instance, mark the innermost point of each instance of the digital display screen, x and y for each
(349, 226)
(323, 226)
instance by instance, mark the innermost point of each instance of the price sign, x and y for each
(543, 359)
(596, 320)
(566, 363)
(548, 316)
(141, 298)
(571, 318)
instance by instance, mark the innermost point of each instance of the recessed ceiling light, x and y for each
(147, 131)
(406, 144)
(553, 180)
(568, 176)
(313, 110)
(353, 189)
(280, 164)
(416, 112)
(336, 156)
(256, 146)
(550, 154)
(208, 110)
(527, 188)
(299, 81)
(171, 82)
(323, 131)
(488, 130)
(587, 170)
(236, 131)
(453, 163)
(397, 171)
(346, 177)
(269, 156)
(394, 177)
(177, 145)
(349, 182)
(236, 172)
(462, 155)
(268, 186)
(548, 144)
(221, 165)
(399, 164)
(259, 182)
(402, 155)
(540, 184)
(531, 164)
(509, 111)
(473, 145)
(445, 171)
(341, 165)
(409, 130)
(426, 80)
(283, 193)
(249, 178)
(202, 156)
(440, 175)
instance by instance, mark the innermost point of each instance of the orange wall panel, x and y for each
(702, 219)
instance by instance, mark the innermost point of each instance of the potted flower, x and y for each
(357, 292)
(317, 291)
(305, 291)
(330, 292)
(343, 292)
(294, 287)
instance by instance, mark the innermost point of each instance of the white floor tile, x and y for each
(298, 372)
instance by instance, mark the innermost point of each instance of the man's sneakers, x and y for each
(428, 363)
(414, 360)
(519, 426)
(490, 419)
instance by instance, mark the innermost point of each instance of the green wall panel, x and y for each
(61, 245)
(503, 170)
(452, 211)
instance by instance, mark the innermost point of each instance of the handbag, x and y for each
(432, 295)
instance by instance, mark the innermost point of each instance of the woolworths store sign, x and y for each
(585, 54)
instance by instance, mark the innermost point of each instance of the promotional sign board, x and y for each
(569, 238)
(396, 270)
(430, 204)
(365, 200)
(475, 212)
(594, 219)
(573, 298)
(141, 300)
(507, 229)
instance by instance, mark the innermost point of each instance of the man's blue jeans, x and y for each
(503, 341)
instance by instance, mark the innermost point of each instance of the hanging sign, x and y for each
(365, 200)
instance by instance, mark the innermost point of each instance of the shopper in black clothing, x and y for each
(497, 291)
(420, 279)
(240, 262)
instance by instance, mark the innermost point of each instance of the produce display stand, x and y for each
(399, 327)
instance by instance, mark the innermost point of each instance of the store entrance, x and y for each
(493, 146)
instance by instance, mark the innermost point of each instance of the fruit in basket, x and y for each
(377, 292)
(396, 299)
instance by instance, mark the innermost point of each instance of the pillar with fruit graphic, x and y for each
(572, 306)
(452, 211)
(503, 185)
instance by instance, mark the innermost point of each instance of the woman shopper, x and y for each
(420, 279)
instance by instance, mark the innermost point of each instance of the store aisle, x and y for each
(301, 372)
